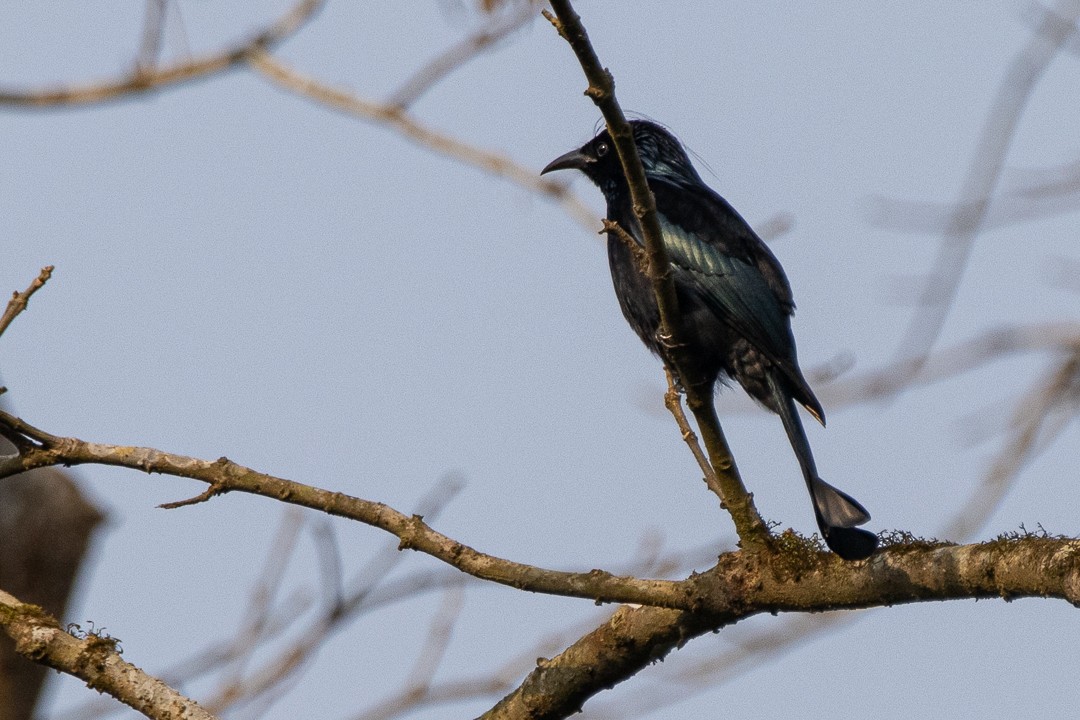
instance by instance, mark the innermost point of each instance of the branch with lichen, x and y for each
(1009, 567)
(94, 658)
(752, 530)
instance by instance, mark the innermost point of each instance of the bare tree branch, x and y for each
(676, 684)
(41, 449)
(93, 658)
(634, 638)
(674, 405)
(461, 53)
(400, 120)
(19, 300)
(146, 79)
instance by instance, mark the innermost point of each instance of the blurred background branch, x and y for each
(967, 217)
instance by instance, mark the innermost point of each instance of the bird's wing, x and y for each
(715, 252)
(736, 290)
(712, 250)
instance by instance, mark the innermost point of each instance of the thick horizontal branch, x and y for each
(746, 584)
(95, 659)
(627, 642)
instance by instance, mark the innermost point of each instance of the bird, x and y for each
(734, 299)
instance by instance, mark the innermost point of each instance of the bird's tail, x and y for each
(837, 513)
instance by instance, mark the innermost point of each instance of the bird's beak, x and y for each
(573, 160)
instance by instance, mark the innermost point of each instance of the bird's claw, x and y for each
(667, 341)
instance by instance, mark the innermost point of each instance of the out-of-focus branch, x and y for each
(400, 120)
(1039, 418)
(414, 695)
(507, 676)
(486, 685)
(147, 78)
(93, 658)
(1007, 208)
(752, 530)
(392, 114)
(457, 55)
(256, 626)
(433, 651)
(939, 291)
(1026, 194)
(153, 34)
(950, 362)
(266, 684)
(1031, 428)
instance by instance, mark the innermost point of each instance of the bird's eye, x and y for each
(601, 149)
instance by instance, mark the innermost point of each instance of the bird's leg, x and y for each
(697, 378)
(666, 342)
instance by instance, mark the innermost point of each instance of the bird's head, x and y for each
(662, 156)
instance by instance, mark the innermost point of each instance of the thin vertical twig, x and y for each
(153, 34)
(752, 530)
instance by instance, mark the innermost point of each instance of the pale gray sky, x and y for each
(242, 272)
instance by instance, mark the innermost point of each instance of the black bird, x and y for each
(734, 299)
